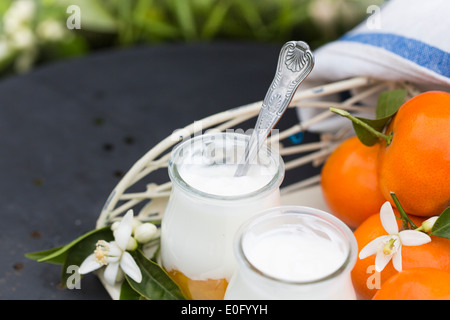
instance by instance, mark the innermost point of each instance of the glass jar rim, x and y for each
(177, 179)
(280, 211)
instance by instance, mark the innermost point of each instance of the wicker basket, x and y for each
(149, 204)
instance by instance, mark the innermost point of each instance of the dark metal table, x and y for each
(70, 130)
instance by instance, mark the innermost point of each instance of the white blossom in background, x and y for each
(5, 50)
(25, 60)
(23, 34)
(22, 39)
(51, 30)
(19, 14)
(19, 38)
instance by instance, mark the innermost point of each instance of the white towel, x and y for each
(406, 40)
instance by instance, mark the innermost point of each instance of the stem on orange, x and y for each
(346, 114)
(407, 223)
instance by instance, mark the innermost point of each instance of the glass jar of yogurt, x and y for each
(208, 204)
(293, 252)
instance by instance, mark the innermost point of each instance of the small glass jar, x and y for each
(208, 204)
(293, 252)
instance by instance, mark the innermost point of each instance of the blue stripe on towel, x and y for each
(416, 51)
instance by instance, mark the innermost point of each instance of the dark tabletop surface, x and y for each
(70, 130)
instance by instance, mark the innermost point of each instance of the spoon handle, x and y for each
(294, 64)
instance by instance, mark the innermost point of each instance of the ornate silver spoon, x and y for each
(294, 64)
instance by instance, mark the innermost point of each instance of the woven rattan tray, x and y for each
(149, 202)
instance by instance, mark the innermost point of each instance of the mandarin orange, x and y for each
(416, 284)
(349, 182)
(416, 165)
(435, 254)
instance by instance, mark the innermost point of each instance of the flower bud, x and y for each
(115, 225)
(136, 223)
(145, 232)
(428, 224)
(132, 244)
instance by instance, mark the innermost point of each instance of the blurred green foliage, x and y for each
(36, 31)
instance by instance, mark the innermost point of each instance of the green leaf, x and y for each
(370, 131)
(387, 106)
(250, 13)
(57, 255)
(128, 293)
(185, 18)
(441, 227)
(156, 284)
(161, 29)
(83, 248)
(215, 19)
(367, 130)
(389, 102)
(59, 259)
(367, 137)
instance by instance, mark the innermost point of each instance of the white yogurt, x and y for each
(208, 204)
(290, 255)
(220, 180)
(293, 252)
